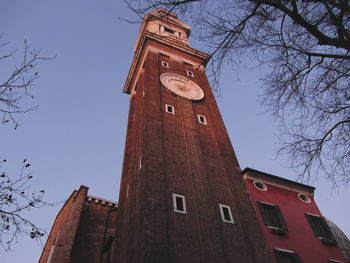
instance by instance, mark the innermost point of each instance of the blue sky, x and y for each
(77, 135)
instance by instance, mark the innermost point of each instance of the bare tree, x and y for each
(15, 87)
(16, 199)
(16, 195)
(303, 49)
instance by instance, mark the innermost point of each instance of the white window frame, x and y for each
(190, 73)
(285, 250)
(308, 200)
(165, 64)
(312, 214)
(222, 206)
(199, 119)
(176, 210)
(173, 109)
(263, 185)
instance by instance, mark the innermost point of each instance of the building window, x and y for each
(304, 198)
(166, 29)
(261, 186)
(272, 217)
(202, 119)
(165, 64)
(226, 214)
(186, 63)
(286, 256)
(179, 204)
(320, 229)
(190, 73)
(169, 109)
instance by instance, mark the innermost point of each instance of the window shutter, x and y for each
(286, 256)
(280, 217)
(278, 256)
(312, 224)
(265, 216)
(321, 229)
(296, 258)
(328, 230)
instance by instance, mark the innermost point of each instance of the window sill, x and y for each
(328, 241)
(277, 230)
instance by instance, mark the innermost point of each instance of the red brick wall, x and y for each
(62, 232)
(80, 231)
(96, 226)
(182, 156)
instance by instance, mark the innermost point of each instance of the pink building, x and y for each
(293, 226)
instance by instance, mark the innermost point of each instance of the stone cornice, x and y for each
(146, 39)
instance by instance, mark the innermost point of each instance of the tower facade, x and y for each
(182, 197)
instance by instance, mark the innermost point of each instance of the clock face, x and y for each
(182, 86)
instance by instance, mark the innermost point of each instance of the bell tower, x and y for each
(182, 197)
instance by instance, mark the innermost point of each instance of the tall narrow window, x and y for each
(226, 214)
(272, 217)
(286, 256)
(179, 204)
(202, 119)
(320, 228)
(169, 109)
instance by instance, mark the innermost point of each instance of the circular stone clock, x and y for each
(182, 86)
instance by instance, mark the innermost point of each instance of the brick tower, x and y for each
(182, 197)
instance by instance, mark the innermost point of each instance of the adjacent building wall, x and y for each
(83, 230)
(299, 236)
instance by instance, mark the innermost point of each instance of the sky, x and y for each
(77, 135)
